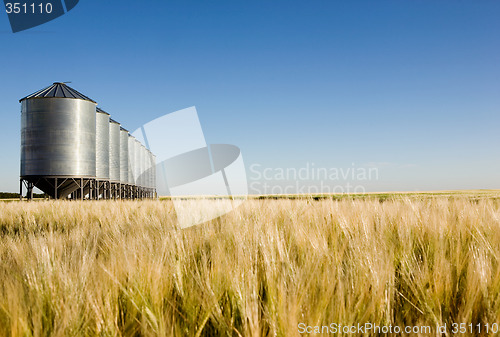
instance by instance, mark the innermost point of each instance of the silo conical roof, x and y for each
(102, 111)
(60, 90)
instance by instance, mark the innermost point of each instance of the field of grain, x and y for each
(116, 268)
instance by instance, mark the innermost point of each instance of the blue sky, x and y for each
(409, 87)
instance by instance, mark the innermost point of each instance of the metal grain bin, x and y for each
(147, 168)
(143, 166)
(131, 160)
(150, 169)
(114, 150)
(123, 156)
(153, 178)
(102, 145)
(58, 133)
(137, 162)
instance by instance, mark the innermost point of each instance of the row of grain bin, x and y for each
(72, 149)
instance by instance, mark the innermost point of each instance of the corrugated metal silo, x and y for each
(150, 169)
(58, 138)
(102, 145)
(147, 168)
(137, 160)
(131, 159)
(142, 165)
(114, 150)
(153, 176)
(71, 148)
(123, 156)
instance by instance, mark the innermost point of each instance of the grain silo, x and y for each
(142, 169)
(153, 175)
(114, 157)
(70, 148)
(151, 172)
(102, 154)
(124, 136)
(147, 168)
(137, 159)
(137, 155)
(131, 159)
(58, 141)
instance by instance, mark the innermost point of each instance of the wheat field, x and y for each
(269, 268)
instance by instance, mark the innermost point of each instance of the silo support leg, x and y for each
(91, 189)
(30, 190)
(81, 189)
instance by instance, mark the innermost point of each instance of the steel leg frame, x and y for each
(102, 190)
(80, 188)
(59, 187)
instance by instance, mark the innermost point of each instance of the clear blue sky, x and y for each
(410, 87)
